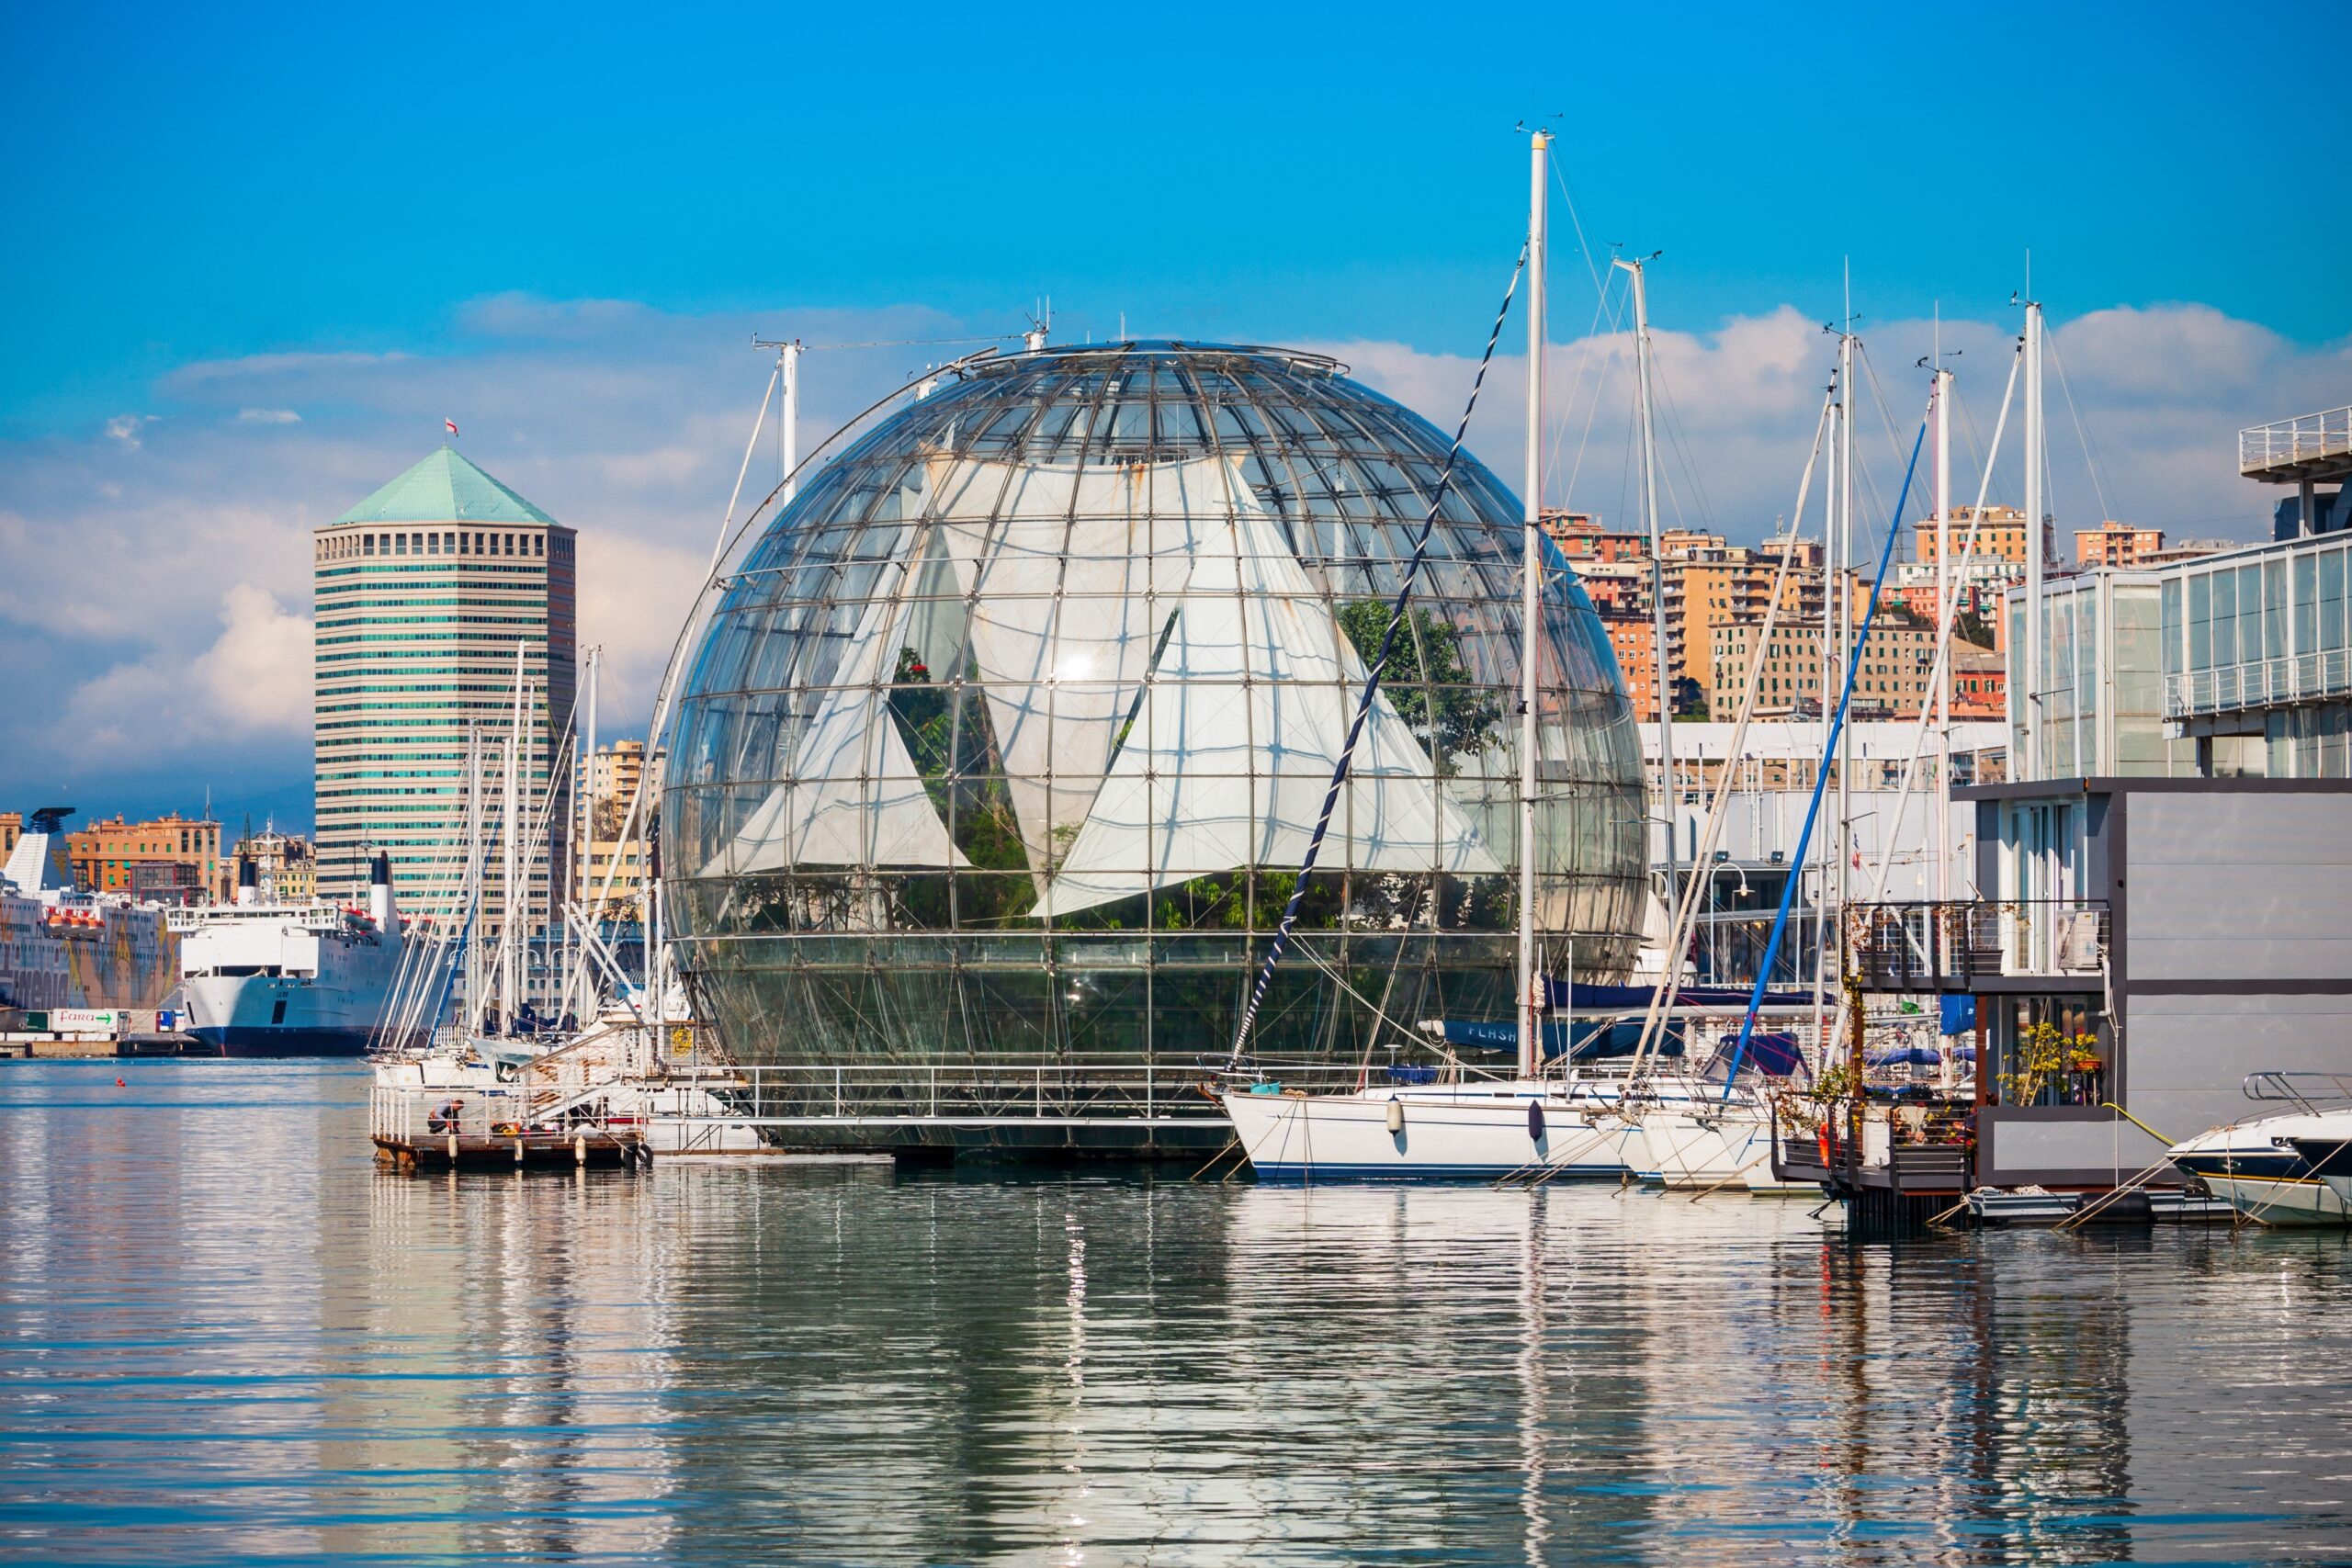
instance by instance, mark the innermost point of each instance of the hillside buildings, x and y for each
(426, 590)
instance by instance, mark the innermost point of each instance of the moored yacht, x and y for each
(2284, 1170)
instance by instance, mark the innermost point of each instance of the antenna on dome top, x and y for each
(787, 430)
(1040, 324)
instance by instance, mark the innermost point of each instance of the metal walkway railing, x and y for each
(2288, 444)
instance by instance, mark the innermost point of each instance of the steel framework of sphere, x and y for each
(1005, 740)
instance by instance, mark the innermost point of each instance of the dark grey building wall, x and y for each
(2186, 1056)
(2237, 949)
(2224, 886)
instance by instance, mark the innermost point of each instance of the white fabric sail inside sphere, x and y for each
(853, 797)
(1071, 574)
(1232, 753)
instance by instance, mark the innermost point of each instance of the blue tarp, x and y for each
(1959, 1015)
(1775, 1054)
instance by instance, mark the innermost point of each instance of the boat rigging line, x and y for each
(1821, 774)
(1380, 663)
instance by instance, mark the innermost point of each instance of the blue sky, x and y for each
(257, 255)
(200, 184)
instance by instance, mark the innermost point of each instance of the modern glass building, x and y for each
(1006, 740)
(2231, 665)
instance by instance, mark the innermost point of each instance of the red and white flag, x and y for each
(452, 425)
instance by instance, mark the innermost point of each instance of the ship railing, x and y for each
(1073, 1092)
(1928, 945)
(2306, 1092)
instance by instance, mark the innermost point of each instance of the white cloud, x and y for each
(157, 604)
(2143, 421)
(253, 683)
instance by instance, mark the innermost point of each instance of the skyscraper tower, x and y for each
(424, 591)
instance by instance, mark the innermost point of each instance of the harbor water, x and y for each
(226, 1336)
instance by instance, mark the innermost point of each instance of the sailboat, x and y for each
(1551, 1115)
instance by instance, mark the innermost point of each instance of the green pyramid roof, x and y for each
(445, 488)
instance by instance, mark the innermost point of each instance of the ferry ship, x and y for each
(262, 978)
(62, 946)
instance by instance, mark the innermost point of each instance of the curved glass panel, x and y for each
(1009, 735)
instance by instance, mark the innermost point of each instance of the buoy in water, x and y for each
(1536, 1119)
(1396, 1115)
(119, 1084)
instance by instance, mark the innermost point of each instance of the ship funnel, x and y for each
(39, 863)
(248, 881)
(379, 890)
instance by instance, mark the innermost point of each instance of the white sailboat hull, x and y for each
(1703, 1146)
(1472, 1131)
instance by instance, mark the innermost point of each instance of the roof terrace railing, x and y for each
(2306, 438)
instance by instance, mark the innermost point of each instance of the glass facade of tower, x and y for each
(1006, 739)
(429, 595)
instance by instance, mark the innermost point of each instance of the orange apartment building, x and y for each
(1635, 640)
(2001, 535)
(1979, 682)
(2117, 544)
(1581, 537)
(107, 853)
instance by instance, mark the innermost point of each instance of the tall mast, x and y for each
(1667, 792)
(472, 881)
(1846, 652)
(510, 928)
(1832, 589)
(2028, 705)
(1531, 610)
(1947, 607)
(587, 857)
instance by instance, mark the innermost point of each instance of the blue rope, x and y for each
(1371, 679)
(1821, 774)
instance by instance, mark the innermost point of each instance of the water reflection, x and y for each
(228, 1336)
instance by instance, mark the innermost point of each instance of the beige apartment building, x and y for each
(613, 774)
(1893, 679)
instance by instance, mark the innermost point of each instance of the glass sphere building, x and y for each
(1005, 740)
